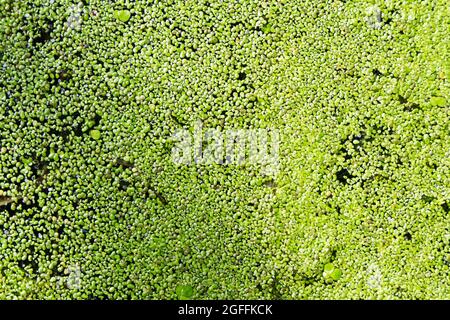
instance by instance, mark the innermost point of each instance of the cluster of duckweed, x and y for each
(93, 207)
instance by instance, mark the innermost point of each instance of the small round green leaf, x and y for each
(184, 292)
(328, 267)
(122, 15)
(95, 134)
(336, 274)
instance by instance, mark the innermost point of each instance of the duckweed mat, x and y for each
(93, 205)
